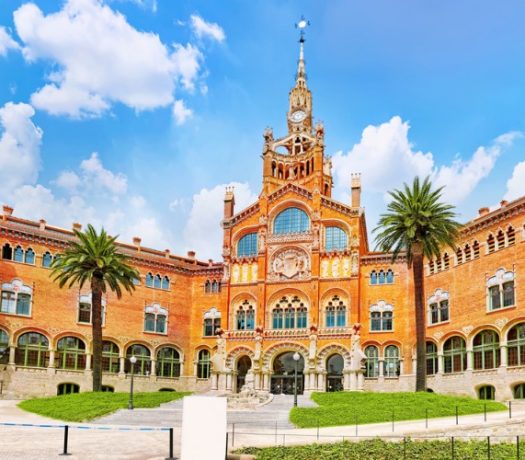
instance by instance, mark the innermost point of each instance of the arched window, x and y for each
(7, 252)
(143, 364)
(247, 245)
(16, 298)
(336, 239)
(486, 350)
(335, 313)
(389, 276)
(467, 252)
(47, 259)
(475, 249)
(32, 350)
(165, 283)
(168, 362)
(438, 264)
(501, 290)
(245, 317)
(519, 391)
(438, 311)
(373, 277)
(149, 280)
(291, 220)
(67, 389)
(372, 362)
(511, 235)
(487, 392)
(491, 244)
(294, 312)
(381, 317)
(334, 378)
(203, 365)
(454, 355)
(446, 261)
(19, 254)
(381, 277)
(110, 357)
(501, 239)
(432, 358)
(431, 267)
(516, 345)
(207, 287)
(156, 319)
(71, 354)
(459, 255)
(212, 322)
(392, 362)
(4, 347)
(157, 281)
(29, 257)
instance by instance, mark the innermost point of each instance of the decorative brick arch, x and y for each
(330, 350)
(276, 350)
(236, 353)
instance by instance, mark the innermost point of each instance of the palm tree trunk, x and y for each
(96, 312)
(421, 358)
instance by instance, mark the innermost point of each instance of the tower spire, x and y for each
(301, 69)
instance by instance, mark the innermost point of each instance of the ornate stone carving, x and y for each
(346, 267)
(262, 241)
(355, 263)
(291, 263)
(500, 323)
(263, 220)
(467, 329)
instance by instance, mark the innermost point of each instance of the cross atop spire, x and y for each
(301, 69)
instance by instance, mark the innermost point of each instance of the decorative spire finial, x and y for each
(301, 25)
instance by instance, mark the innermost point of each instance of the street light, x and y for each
(296, 358)
(132, 360)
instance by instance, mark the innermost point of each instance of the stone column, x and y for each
(214, 381)
(51, 359)
(122, 367)
(503, 356)
(12, 356)
(153, 368)
(88, 362)
(470, 360)
(381, 367)
(401, 366)
(349, 382)
(313, 384)
(229, 382)
(360, 381)
(257, 380)
(266, 381)
(320, 382)
(440, 366)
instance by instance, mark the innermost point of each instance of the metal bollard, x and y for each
(318, 429)
(517, 447)
(405, 448)
(356, 429)
(452, 447)
(426, 418)
(510, 409)
(485, 412)
(276, 432)
(233, 435)
(393, 419)
(488, 448)
(226, 453)
(457, 416)
(171, 457)
(66, 436)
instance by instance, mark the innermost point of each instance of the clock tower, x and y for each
(298, 157)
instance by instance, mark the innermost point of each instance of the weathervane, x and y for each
(302, 25)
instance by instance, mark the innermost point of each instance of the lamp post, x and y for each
(132, 360)
(296, 358)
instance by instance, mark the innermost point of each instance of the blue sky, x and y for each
(136, 114)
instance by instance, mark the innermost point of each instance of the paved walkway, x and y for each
(253, 428)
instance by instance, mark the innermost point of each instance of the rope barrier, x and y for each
(86, 427)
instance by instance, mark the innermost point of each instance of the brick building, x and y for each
(297, 275)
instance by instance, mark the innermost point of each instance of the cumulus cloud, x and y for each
(516, 184)
(211, 30)
(6, 42)
(180, 112)
(101, 60)
(98, 177)
(202, 232)
(386, 158)
(19, 146)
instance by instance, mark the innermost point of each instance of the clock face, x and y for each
(298, 116)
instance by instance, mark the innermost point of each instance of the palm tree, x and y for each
(418, 224)
(93, 258)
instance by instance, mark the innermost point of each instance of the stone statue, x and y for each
(356, 353)
(218, 360)
(249, 381)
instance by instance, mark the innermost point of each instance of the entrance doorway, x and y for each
(334, 377)
(243, 366)
(283, 378)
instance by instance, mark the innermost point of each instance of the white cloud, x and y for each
(202, 232)
(6, 42)
(180, 112)
(386, 159)
(201, 28)
(516, 184)
(68, 180)
(96, 176)
(101, 60)
(19, 147)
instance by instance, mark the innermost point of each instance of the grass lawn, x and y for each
(381, 450)
(342, 408)
(81, 407)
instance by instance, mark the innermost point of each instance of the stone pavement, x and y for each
(252, 428)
